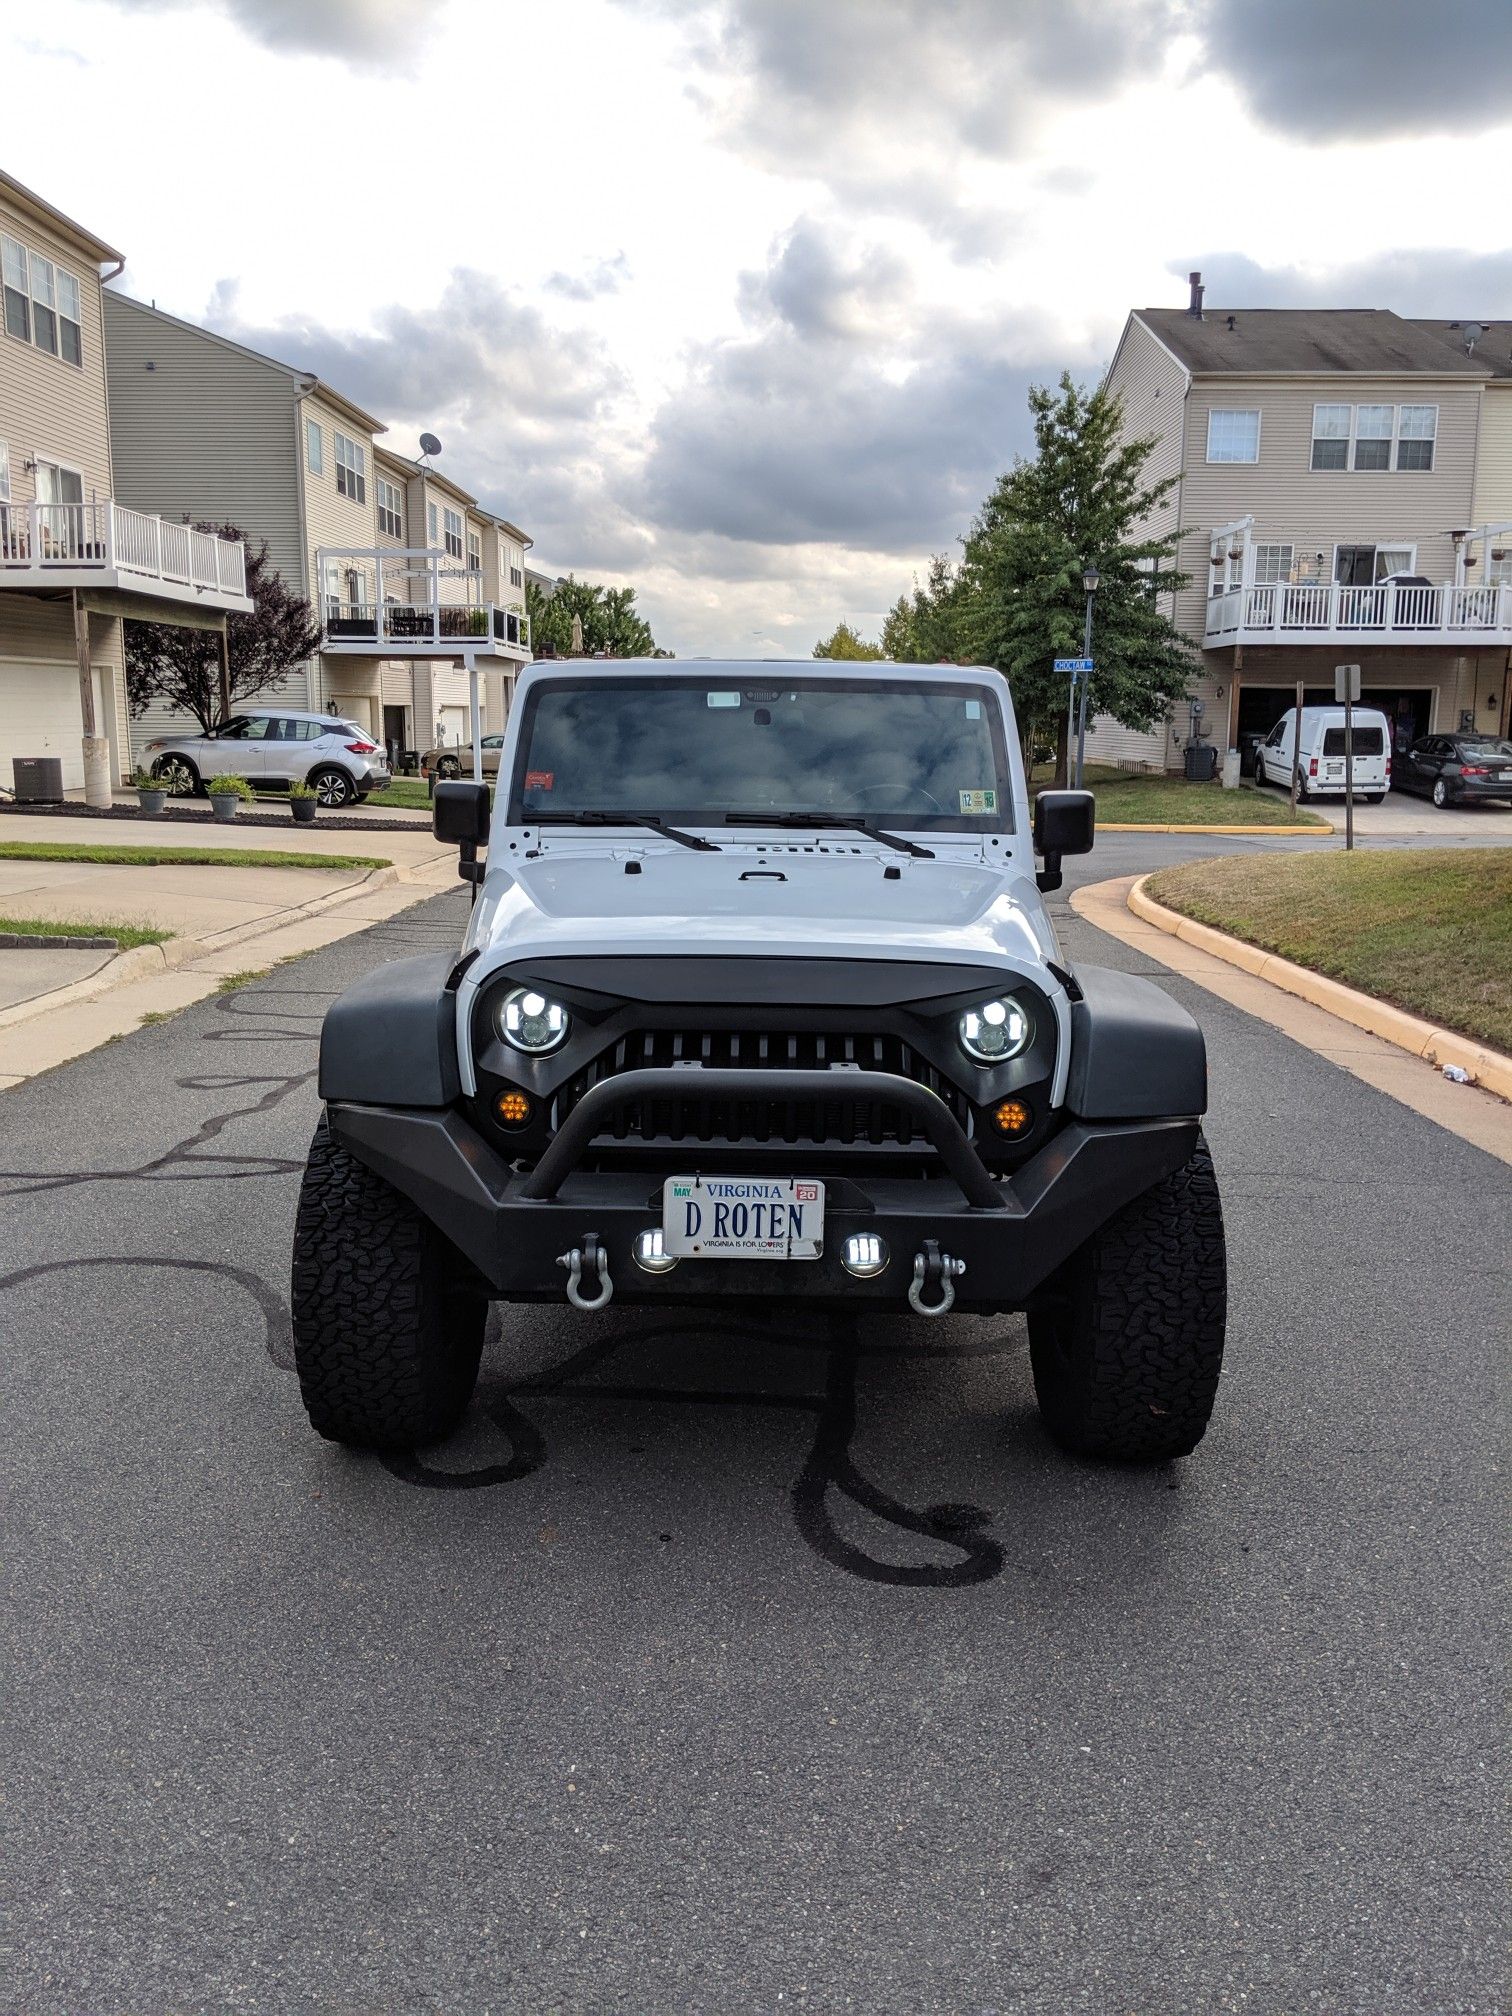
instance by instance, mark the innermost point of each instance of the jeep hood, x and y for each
(798, 903)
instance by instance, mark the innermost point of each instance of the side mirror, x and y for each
(460, 814)
(1064, 823)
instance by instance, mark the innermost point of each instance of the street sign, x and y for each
(1073, 664)
(1346, 683)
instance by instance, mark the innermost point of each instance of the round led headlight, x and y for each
(994, 1032)
(531, 1022)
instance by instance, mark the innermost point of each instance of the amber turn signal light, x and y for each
(513, 1108)
(1011, 1117)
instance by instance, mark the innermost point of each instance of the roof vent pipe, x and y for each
(1194, 306)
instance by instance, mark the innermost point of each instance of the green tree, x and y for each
(925, 628)
(845, 642)
(1082, 498)
(181, 667)
(612, 626)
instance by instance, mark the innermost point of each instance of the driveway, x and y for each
(1400, 813)
(726, 1664)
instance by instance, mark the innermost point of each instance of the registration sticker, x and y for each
(978, 801)
(539, 780)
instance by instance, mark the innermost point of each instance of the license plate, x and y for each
(1504, 776)
(742, 1218)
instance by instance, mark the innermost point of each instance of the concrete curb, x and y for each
(141, 961)
(1116, 826)
(1488, 1068)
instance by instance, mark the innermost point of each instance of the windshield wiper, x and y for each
(650, 819)
(830, 821)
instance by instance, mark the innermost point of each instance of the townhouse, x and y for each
(74, 558)
(411, 580)
(1342, 487)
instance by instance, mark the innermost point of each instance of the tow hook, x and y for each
(934, 1270)
(587, 1262)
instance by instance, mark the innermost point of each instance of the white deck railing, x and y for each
(391, 626)
(1387, 611)
(42, 539)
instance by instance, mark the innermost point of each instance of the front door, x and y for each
(61, 490)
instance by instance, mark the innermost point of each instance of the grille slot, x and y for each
(837, 1116)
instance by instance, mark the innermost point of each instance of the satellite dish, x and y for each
(429, 445)
(1473, 334)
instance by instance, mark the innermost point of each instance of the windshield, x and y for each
(921, 754)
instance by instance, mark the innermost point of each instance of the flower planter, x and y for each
(223, 806)
(303, 810)
(151, 803)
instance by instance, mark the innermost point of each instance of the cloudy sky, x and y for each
(738, 299)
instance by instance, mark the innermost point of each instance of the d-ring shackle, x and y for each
(932, 1267)
(591, 1259)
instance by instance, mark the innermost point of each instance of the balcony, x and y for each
(1387, 612)
(381, 602)
(103, 545)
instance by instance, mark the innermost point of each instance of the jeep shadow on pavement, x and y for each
(759, 1000)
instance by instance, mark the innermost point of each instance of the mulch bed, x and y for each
(328, 822)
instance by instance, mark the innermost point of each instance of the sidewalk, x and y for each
(57, 1004)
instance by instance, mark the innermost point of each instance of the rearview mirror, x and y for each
(460, 813)
(1064, 823)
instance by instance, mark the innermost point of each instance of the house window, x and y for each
(454, 534)
(314, 447)
(432, 525)
(1330, 440)
(17, 291)
(1234, 434)
(1415, 436)
(516, 578)
(351, 469)
(1372, 447)
(1272, 563)
(4, 472)
(1373, 437)
(474, 553)
(43, 302)
(390, 507)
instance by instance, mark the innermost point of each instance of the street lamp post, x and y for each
(1090, 578)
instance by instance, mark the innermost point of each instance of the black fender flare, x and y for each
(1135, 1053)
(391, 1038)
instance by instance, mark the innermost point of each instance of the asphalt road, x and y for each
(717, 1666)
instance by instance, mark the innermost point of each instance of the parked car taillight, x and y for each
(362, 748)
(1474, 770)
(1312, 766)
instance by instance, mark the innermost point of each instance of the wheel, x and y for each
(448, 767)
(1126, 1340)
(388, 1321)
(1373, 797)
(332, 786)
(1440, 793)
(178, 775)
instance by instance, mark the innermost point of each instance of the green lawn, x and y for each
(405, 794)
(184, 857)
(125, 935)
(1130, 798)
(1428, 929)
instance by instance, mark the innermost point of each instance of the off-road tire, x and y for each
(1126, 1340)
(388, 1322)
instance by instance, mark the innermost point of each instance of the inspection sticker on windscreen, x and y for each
(978, 801)
(742, 1218)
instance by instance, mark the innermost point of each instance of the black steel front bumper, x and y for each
(1011, 1233)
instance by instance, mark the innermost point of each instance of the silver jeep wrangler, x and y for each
(759, 998)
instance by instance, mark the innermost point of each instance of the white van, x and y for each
(1323, 753)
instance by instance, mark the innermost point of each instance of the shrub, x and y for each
(230, 787)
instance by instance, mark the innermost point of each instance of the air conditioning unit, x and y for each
(39, 780)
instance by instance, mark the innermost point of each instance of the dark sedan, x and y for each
(1456, 769)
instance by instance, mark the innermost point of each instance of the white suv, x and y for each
(338, 760)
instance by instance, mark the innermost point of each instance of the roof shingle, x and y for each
(1309, 340)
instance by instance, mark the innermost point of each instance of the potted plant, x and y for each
(302, 803)
(152, 793)
(226, 793)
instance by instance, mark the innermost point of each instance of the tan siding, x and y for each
(1493, 475)
(1152, 387)
(48, 408)
(1315, 510)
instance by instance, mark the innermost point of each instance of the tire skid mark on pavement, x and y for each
(278, 1336)
(829, 1467)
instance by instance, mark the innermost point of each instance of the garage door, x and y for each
(39, 716)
